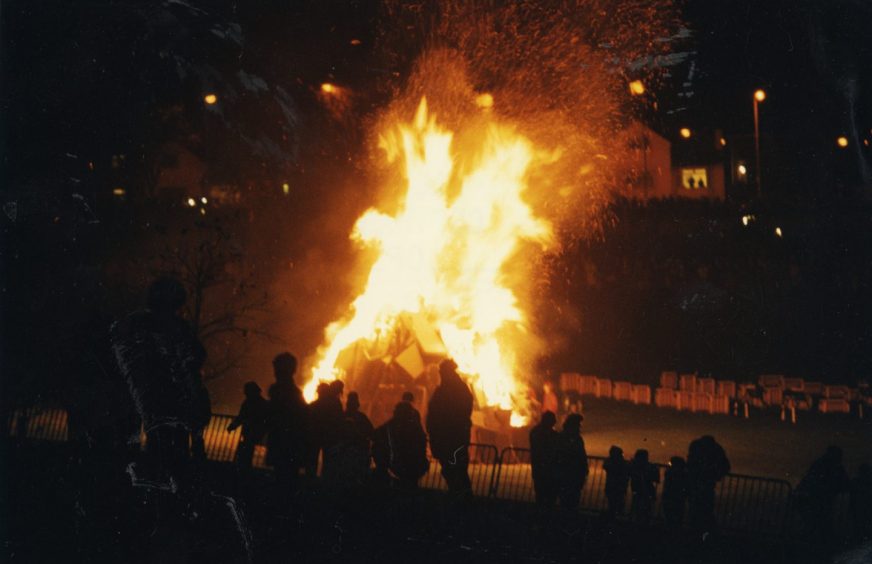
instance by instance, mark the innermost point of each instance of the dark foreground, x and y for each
(61, 507)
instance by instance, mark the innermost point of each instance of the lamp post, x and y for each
(759, 96)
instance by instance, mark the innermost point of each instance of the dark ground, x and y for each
(65, 508)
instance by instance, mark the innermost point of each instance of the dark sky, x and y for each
(814, 59)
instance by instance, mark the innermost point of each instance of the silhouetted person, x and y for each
(286, 441)
(707, 464)
(644, 478)
(571, 462)
(617, 478)
(355, 443)
(160, 357)
(449, 426)
(675, 487)
(409, 398)
(253, 418)
(825, 479)
(861, 503)
(543, 459)
(399, 449)
(325, 417)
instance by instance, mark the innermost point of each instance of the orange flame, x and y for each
(442, 256)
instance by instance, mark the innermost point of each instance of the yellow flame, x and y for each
(442, 256)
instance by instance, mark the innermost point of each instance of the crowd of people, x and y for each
(560, 469)
(161, 360)
(297, 434)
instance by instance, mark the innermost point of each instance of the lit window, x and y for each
(694, 178)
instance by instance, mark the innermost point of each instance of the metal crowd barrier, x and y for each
(38, 423)
(752, 504)
(483, 463)
(742, 503)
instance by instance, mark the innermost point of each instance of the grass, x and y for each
(762, 445)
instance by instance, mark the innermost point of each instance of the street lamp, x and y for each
(685, 132)
(759, 96)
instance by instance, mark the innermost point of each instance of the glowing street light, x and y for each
(484, 101)
(286, 188)
(210, 99)
(328, 88)
(637, 88)
(842, 141)
(778, 232)
(192, 202)
(742, 170)
(759, 96)
(204, 200)
(685, 132)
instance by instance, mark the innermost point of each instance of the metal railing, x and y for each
(38, 423)
(743, 503)
(483, 464)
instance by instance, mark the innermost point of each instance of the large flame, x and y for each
(444, 256)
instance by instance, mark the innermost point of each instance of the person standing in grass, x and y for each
(571, 462)
(617, 477)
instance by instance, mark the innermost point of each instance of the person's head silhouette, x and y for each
(251, 389)
(448, 371)
(549, 420)
(166, 295)
(572, 424)
(284, 366)
(352, 404)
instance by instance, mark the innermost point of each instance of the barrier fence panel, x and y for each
(515, 481)
(752, 504)
(220, 443)
(39, 423)
(483, 464)
(742, 503)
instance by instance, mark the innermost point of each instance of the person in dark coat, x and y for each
(409, 398)
(543, 459)
(449, 425)
(253, 418)
(326, 418)
(675, 491)
(354, 448)
(861, 503)
(617, 478)
(707, 464)
(399, 450)
(161, 358)
(644, 478)
(286, 444)
(824, 481)
(571, 462)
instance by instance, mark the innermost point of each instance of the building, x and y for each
(690, 167)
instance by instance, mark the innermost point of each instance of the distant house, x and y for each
(660, 169)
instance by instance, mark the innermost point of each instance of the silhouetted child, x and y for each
(617, 478)
(675, 491)
(253, 414)
(644, 477)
